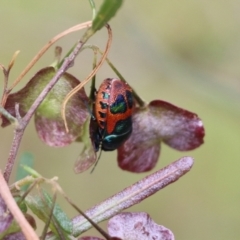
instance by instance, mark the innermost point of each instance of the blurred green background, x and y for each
(184, 52)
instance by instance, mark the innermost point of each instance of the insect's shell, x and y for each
(113, 112)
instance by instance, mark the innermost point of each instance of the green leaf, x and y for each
(106, 12)
(41, 207)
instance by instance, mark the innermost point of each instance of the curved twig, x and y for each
(94, 71)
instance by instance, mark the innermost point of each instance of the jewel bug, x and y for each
(113, 112)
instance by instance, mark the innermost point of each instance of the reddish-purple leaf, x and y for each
(88, 154)
(27, 95)
(85, 160)
(140, 152)
(180, 129)
(137, 226)
(48, 120)
(138, 159)
(159, 121)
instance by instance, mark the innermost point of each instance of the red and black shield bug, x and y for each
(111, 121)
(113, 112)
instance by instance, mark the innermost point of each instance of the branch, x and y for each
(18, 132)
(133, 194)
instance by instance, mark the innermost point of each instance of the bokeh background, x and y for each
(184, 52)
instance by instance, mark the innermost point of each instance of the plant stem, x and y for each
(18, 133)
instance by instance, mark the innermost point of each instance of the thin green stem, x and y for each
(9, 117)
(92, 4)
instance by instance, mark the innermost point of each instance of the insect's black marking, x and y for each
(129, 97)
(103, 105)
(102, 115)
